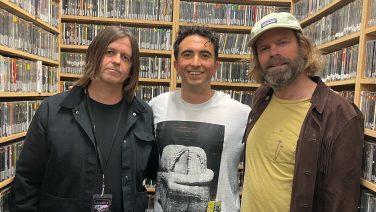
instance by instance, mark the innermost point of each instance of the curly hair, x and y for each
(196, 30)
(313, 60)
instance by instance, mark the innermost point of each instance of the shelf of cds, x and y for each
(313, 10)
(254, 2)
(150, 21)
(369, 167)
(154, 43)
(45, 14)
(372, 29)
(29, 72)
(368, 201)
(29, 67)
(232, 21)
(336, 35)
(161, 19)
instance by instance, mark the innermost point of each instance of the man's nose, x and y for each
(274, 50)
(116, 58)
(196, 61)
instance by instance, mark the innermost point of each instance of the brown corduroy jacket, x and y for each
(329, 151)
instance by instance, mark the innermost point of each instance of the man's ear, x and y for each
(216, 67)
(175, 66)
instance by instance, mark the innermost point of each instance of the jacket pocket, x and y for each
(144, 136)
(144, 143)
(49, 203)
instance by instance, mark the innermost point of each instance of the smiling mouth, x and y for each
(195, 72)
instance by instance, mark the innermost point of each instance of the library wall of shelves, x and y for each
(42, 52)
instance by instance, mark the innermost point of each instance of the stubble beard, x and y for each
(278, 79)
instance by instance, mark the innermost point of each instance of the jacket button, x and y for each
(134, 114)
(125, 141)
(77, 112)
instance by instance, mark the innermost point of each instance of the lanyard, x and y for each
(99, 155)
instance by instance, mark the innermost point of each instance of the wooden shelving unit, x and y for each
(12, 137)
(6, 182)
(17, 53)
(344, 41)
(128, 22)
(24, 94)
(326, 10)
(341, 83)
(368, 184)
(10, 6)
(255, 2)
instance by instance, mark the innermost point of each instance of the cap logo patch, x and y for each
(267, 22)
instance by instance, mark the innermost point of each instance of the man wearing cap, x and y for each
(304, 142)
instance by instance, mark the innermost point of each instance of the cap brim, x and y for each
(274, 26)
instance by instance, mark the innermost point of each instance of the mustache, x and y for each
(276, 60)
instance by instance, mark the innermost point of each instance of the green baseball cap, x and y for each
(272, 21)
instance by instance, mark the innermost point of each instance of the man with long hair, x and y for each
(90, 148)
(304, 141)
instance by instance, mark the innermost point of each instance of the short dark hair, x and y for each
(96, 51)
(196, 30)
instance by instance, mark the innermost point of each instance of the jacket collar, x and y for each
(77, 94)
(319, 96)
(74, 98)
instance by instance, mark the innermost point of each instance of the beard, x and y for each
(278, 78)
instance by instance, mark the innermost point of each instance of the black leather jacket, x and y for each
(58, 167)
(329, 151)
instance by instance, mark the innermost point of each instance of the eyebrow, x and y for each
(201, 51)
(113, 49)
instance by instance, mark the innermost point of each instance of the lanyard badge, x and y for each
(101, 203)
(214, 206)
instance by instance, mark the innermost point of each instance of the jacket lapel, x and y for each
(81, 116)
(128, 120)
(135, 109)
(76, 102)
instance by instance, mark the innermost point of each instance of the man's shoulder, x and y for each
(161, 98)
(339, 103)
(330, 105)
(228, 102)
(138, 102)
(57, 98)
(231, 105)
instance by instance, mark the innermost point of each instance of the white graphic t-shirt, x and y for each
(200, 147)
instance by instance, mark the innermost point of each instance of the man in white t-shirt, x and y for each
(199, 132)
